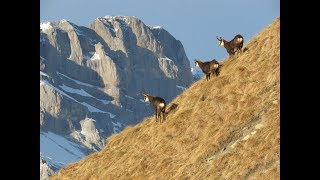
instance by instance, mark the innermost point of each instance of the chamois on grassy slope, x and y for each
(159, 106)
(208, 67)
(233, 46)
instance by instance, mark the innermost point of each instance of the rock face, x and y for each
(45, 170)
(91, 79)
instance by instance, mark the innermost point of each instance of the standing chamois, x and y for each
(233, 46)
(208, 67)
(159, 106)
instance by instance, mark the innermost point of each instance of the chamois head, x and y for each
(232, 46)
(221, 42)
(145, 97)
(196, 62)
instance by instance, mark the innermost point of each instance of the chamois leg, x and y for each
(163, 116)
(156, 116)
(208, 76)
(160, 117)
(238, 50)
(215, 72)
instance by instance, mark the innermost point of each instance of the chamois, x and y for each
(208, 67)
(159, 106)
(233, 46)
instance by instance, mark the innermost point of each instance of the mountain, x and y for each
(225, 128)
(91, 80)
(196, 73)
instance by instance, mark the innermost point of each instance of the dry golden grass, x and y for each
(227, 128)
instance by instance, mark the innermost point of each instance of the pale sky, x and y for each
(196, 23)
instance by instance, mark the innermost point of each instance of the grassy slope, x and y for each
(227, 128)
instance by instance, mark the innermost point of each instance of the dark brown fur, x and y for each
(159, 111)
(209, 67)
(232, 46)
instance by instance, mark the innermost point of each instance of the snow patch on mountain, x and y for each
(95, 56)
(45, 26)
(59, 150)
(76, 81)
(116, 127)
(181, 87)
(90, 108)
(43, 74)
(128, 97)
(75, 91)
(155, 27)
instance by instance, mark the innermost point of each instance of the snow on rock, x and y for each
(76, 81)
(79, 32)
(44, 74)
(82, 92)
(111, 18)
(155, 27)
(168, 67)
(45, 26)
(128, 97)
(105, 101)
(58, 149)
(116, 127)
(75, 91)
(46, 83)
(181, 87)
(95, 56)
(96, 110)
(165, 58)
(196, 71)
(64, 20)
(90, 108)
(42, 59)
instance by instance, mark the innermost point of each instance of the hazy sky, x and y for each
(196, 23)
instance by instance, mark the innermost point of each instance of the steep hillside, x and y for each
(227, 128)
